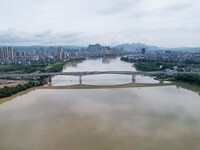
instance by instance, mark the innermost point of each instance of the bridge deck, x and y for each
(86, 73)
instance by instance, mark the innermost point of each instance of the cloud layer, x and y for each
(76, 22)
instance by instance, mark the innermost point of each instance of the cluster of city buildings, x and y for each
(18, 55)
(10, 55)
(165, 55)
(173, 56)
(64, 55)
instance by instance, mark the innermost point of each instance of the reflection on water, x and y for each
(194, 88)
(140, 118)
(105, 60)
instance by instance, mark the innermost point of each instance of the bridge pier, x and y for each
(133, 78)
(49, 80)
(80, 79)
(35, 82)
(161, 82)
(163, 76)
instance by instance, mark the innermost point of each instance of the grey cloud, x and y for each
(12, 37)
(178, 7)
(81, 22)
(43, 34)
(118, 6)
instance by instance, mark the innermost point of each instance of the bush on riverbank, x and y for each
(9, 91)
(189, 78)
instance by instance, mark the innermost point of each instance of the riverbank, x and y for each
(188, 78)
(6, 99)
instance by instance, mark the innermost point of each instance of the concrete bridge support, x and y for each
(133, 78)
(161, 82)
(35, 80)
(162, 76)
(50, 80)
(80, 79)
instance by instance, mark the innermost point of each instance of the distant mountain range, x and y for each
(94, 47)
(134, 46)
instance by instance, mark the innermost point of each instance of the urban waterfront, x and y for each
(154, 118)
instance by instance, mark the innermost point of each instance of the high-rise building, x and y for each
(6, 53)
(10, 53)
(107, 50)
(65, 55)
(1, 54)
(143, 50)
(60, 50)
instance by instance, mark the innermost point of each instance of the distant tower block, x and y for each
(143, 50)
(60, 50)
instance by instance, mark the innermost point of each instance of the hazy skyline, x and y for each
(166, 23)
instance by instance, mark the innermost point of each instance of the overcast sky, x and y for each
(166, 23)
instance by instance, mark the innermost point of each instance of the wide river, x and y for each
(124, 118)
